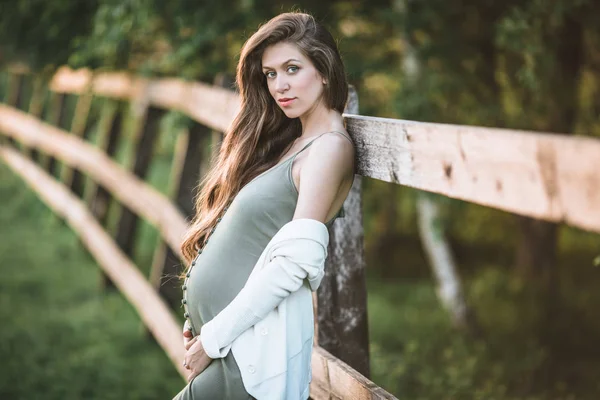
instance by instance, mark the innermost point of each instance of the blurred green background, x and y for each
(533, 293)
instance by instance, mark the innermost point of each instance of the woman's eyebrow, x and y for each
(283, 63)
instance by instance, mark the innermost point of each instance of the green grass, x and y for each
(62, 337)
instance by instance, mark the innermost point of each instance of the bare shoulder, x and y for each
(332, 150)
(326, 177)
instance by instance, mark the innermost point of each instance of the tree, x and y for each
(42, 33)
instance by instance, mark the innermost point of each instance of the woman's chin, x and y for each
(291, 113)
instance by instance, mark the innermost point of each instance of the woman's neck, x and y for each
(319, 121)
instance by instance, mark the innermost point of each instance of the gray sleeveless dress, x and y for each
(223, 266)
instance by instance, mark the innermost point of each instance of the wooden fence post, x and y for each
(36, 109)
(143, 148)
(72, 178)
(14, 93)
(97, 197)
(225, 81)
(342, 296)
(57, 118)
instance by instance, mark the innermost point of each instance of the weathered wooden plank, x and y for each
(334, 379)
(133, 192)
(342, 297)
(153, 311)
(209, 105)
(545, 176)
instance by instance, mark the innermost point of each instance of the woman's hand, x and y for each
(195, 358)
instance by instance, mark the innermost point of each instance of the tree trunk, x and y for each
(431, 230)
(536, 251)
(441, 259)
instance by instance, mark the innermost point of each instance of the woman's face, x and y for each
(291, 75)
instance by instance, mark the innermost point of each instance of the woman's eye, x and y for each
(292, 67)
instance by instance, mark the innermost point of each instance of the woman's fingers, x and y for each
(192, 376)
(196, 357)
(191, 342)
(197, 370)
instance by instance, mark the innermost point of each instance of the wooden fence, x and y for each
(545, 176)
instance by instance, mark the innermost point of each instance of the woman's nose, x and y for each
(281, 84)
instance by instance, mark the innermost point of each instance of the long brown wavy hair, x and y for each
(261, 132)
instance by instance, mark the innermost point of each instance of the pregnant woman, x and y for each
(258, 242)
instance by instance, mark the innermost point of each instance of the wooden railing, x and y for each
(545, 176)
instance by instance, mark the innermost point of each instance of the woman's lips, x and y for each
(286, 102)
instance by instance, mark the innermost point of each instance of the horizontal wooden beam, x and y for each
(546, 176)
(137, 195)
(210, 105)
(153, 311)
(333, 379)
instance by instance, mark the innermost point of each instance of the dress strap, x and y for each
(311, 142)
(344, 135)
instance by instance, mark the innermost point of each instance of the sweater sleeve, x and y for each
(290, 263)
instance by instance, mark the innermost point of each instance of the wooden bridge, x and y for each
(545, 176)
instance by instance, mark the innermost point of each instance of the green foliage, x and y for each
(522, 354)
(175, 38)
(43, 33)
